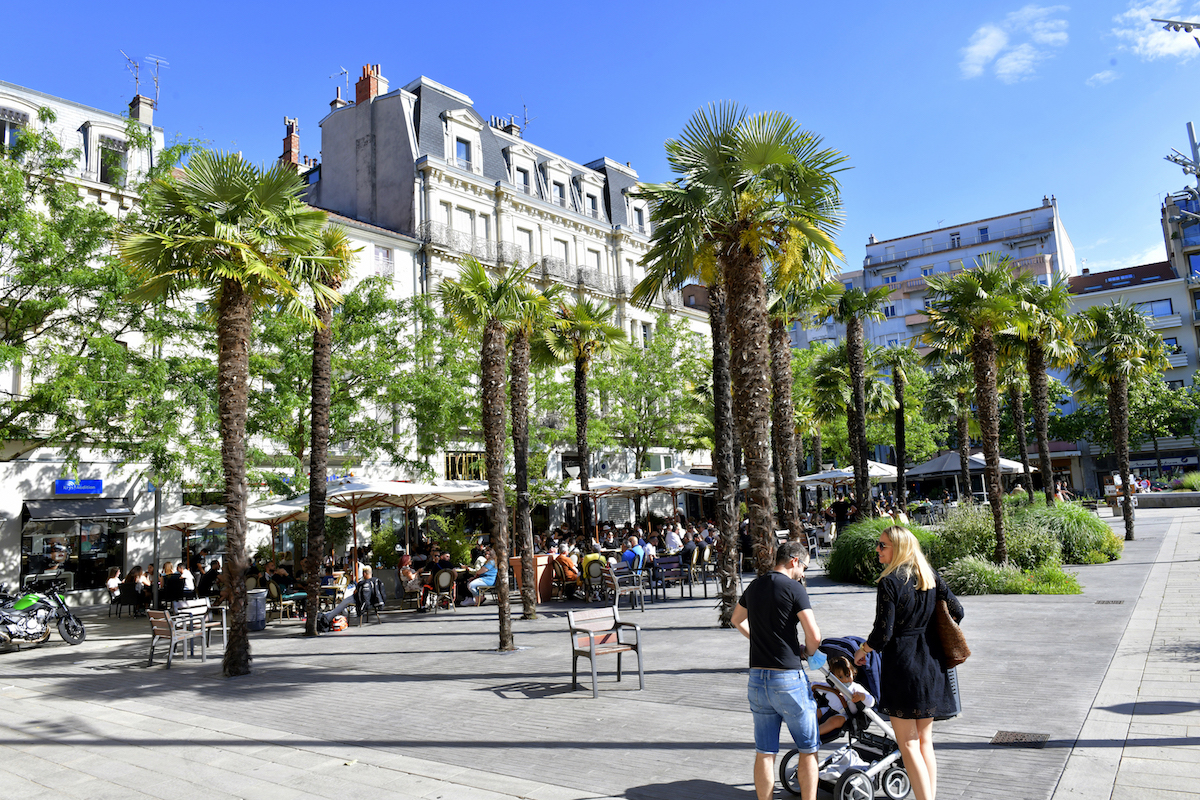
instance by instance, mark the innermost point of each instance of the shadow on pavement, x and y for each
(687, 790)
(1153, 707)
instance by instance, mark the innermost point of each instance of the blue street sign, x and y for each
(71, 486)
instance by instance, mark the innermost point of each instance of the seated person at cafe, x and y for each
(369, 592)
(135, 592)
(207, 585)
(632, 553)
(172, 585)
(486, 576)
(574, 581)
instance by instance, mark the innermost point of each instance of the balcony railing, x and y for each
(510, 253)
(1177, 360)
(441, 234)
(463, 163)
(597, 281)
(556, 269)
(955, 244)
(1165, 321)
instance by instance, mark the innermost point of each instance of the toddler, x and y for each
(833, 708)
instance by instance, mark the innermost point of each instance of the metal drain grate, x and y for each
(1018, 739)
(1109, 602)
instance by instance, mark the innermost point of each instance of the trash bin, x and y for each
(256, 609)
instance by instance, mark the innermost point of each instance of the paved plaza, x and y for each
(422, 706)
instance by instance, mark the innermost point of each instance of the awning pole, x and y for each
(157, 515)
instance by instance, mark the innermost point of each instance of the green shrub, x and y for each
(1190, 481)
(1031, 546)
(853, 558)
(974, 575)
(968, 531)
(1081, 533)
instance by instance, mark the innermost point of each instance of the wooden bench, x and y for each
(598, 632)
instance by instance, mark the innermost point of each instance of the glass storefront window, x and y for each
(83, 549)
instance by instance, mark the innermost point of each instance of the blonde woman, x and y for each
(913, 685)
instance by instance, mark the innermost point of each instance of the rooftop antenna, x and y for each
(940, 221)
(528, 119)
(345, 72)
(159, 63)
(134, 70)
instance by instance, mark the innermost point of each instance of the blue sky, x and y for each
(948, 111)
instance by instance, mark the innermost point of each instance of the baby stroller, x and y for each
(870, 760)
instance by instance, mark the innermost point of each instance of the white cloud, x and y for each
(985, 44)
(1000, 45)
(1101, 78)
(1148, 39)
(1018, 63)
(1151, 254)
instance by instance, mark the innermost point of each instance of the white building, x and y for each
(422, 161)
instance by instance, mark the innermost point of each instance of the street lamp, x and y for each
(1178, 25)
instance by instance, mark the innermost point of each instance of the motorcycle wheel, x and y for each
(71, 629)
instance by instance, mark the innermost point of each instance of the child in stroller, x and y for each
(869, 760)
(834, 708)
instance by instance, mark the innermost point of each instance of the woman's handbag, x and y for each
(954, 644)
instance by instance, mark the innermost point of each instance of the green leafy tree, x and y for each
(1120, 351)
(231, 229)
(899, 361)
(952, 387)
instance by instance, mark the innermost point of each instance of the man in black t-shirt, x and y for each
(768, 614)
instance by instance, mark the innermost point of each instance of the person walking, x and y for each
(913, 686)
(768, 614)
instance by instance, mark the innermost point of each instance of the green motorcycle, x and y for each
(30, 616)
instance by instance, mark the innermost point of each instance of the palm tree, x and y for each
(577, 334)
(1050, 328)
(953, 383)
(477, 303)
(798, 301)
(531, 311)
(969, 311)
(1010, 355)
(899, 360)
(673, 266)
(325, 269)
(1121, 350)
(852, 309)
(230, 228)
(833, 396)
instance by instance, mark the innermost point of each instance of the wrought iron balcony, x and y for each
(443, 235)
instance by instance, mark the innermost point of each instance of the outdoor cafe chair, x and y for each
(176, 631)
(622, 582)
(444, 587)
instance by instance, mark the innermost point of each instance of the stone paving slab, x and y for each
(423, 706)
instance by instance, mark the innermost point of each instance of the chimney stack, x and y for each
(370, 85)
(1087, 271)
(291, 142)
(1045, 201)
(339, 101)
(142, 109)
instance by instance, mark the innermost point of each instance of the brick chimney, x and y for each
(142, 109)
(291, 142)
(370, 85)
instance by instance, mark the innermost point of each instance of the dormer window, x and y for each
(523, 180)
(463, 154)
(113, 161)
(560, 194)
(639, 220)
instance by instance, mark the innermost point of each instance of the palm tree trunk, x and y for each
(776, 476)
(901, 443)
(750, 367)
(856, 356)
(581, 442)
(983, 358)
(1039, 392)
(1118, 411)
(1016, 405)
(491, 367)
(322, 389)
(964, 450)
(783, 421)
(818, 460)
(519, 394)
(235, 310)
(727, 482)
(800, 468)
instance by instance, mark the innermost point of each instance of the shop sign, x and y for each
(1152, 463)
(72, 486)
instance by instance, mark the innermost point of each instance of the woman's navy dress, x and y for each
(913, 684)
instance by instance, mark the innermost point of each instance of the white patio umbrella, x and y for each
(277, 512)
(669, 481)
(183, 520)
(883, 473)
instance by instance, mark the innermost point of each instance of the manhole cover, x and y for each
(1018, 739)
(1109, 602)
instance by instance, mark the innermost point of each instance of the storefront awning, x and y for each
(76, 509)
